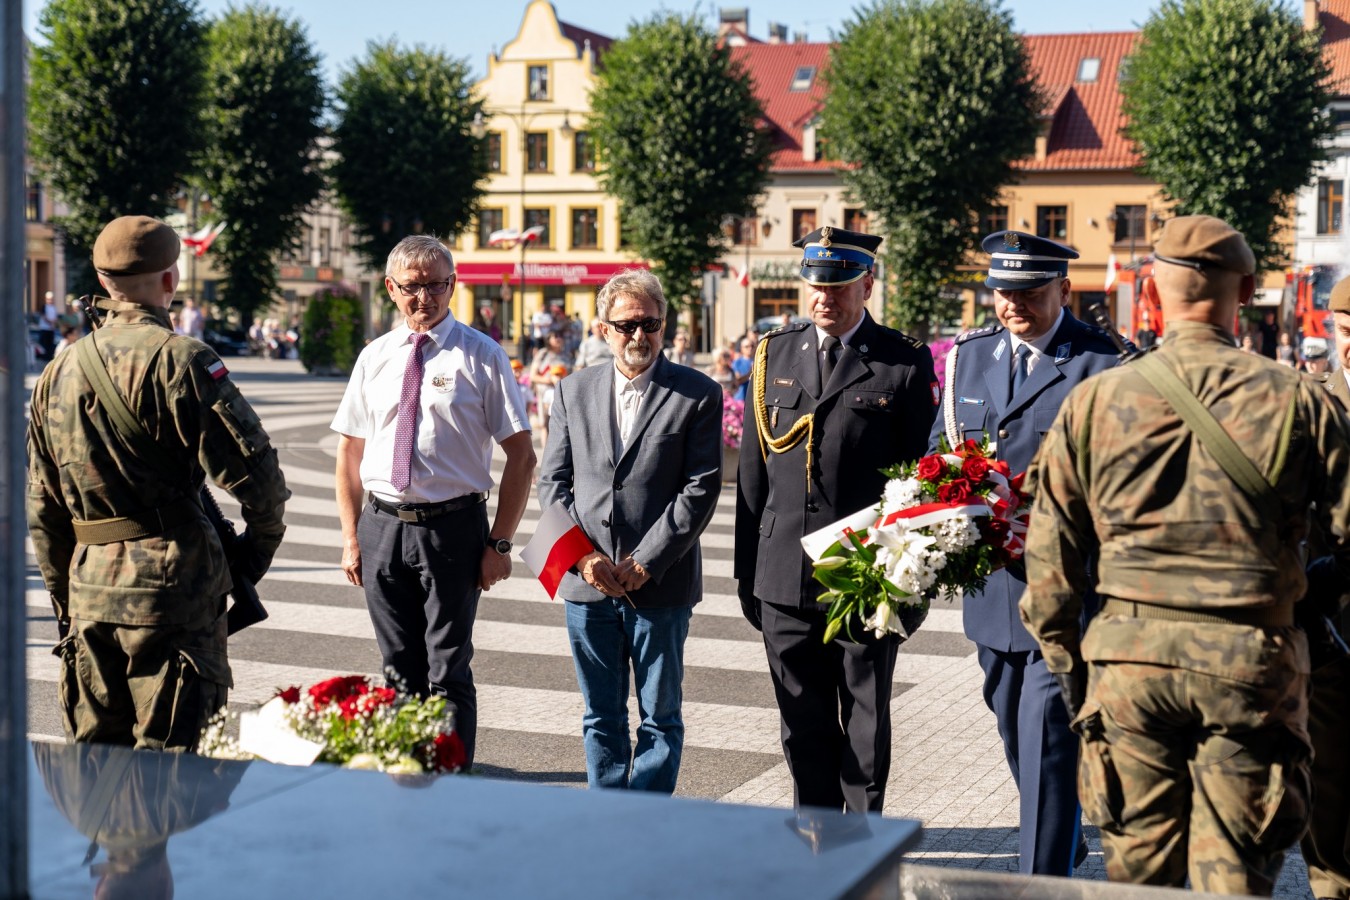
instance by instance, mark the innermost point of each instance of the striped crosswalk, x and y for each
(529, 707)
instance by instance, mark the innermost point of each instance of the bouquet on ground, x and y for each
(944, 524)
(345, 720)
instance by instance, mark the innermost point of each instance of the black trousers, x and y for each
(835, 703)
(421, 582)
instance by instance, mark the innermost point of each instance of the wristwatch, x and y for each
(501, 545)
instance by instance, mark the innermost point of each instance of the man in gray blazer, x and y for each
(635, 455)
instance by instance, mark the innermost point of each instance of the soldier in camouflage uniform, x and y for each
(1194, 710)
(124, 547)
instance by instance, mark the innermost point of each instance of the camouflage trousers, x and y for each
(1193, 774)
(1326, 847)
(149, 687)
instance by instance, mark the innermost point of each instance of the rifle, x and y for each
(1125, 350)
(247, 608)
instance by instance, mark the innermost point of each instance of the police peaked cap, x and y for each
(836, 256)
(1021, 262)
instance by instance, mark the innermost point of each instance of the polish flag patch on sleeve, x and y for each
(937, 393)
(217, 370)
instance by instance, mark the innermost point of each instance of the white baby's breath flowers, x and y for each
(956, 534)
(901, 493)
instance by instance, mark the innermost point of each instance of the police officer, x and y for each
(1190, 684)
(122, 542)
(1007, 381)
(832, 402)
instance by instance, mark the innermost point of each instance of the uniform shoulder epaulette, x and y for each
(785, 329)
(977, 333)
(912, 341)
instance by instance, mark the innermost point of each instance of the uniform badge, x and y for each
(1062, 352)
(1012, 240)
(441, 383)
(825, 236)
(782, 382)
(937, 393)
(998, 351)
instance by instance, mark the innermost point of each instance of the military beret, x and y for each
(836, 256)
(1340, 297)
(135, 245)
(1021, 262)
(1200, 241)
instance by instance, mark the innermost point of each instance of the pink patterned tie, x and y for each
(406, 429)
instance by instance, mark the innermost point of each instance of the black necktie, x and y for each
(1019, 375)
(828, 358)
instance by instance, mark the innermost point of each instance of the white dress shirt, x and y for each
(469, 398)
(1039, 347)
(628, 396)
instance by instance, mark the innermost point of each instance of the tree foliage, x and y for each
(114, 95)
(407, 160)
(1226, 101)
(930, 102)
(331, 334)
(677, 129)
(261, 166)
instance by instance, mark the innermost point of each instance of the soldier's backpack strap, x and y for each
(1212, 436)
(138, 440)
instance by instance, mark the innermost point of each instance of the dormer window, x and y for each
(802, 78)
(1089, 68)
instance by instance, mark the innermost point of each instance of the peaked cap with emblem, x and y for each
(1022, 262)
(836, 256)
(135, 245)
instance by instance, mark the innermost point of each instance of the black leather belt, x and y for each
(424, 512)
(1262, 617)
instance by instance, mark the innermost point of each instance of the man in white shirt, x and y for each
(635, 456)
(424, 404)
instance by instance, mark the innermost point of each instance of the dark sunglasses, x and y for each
(648, 326)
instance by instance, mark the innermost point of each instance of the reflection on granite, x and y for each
(930, 883)
(164, 824)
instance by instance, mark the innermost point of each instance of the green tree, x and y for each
(261, 164)
(407, 160)
(331, 333)
(930, 103)
(677, 129)
(1226, 101)
(114, 95)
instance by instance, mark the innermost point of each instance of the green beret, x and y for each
(1340, 297)
(135, 245)
(1204, 241)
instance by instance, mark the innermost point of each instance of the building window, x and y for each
(1330, 202)
(773, 302)
(489, 220)
(325, 246)
(994, 220)
(1052, 222)
(541, 216)
(802, 78)
(856, 220)
(32, 209)
(1129, 222)
(538, 82)
(585, 228)
(746, 231)
(536, 151)
(492, 146)
(1088, 69)
(583, 152)
(803, 223)
(625, 233)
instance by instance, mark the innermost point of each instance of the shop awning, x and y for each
(542, 273)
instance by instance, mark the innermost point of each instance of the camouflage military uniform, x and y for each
(144, 662)
(1195, 751)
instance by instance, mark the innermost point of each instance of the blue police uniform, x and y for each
(979, 399)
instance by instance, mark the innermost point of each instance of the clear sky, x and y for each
(341, 28)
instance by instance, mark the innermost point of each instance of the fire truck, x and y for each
(1312, 291)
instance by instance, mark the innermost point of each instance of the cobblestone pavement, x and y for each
(948, 771)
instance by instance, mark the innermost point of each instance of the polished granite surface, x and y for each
(171, 825)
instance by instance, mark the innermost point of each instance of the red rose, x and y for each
(931, 468)
(995, 531)
(290, 694)
(448, 753)
(969, 446)
(955, 491)
(1001, 467)
(975, 468)
(340, 688)
(380, 697)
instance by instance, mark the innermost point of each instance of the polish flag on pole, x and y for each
(1112, 267)
(557, 544)
(201, 241)
(742, 276)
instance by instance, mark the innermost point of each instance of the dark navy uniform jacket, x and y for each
(1016, 425)
(875, 412)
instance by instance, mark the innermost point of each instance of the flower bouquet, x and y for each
(733, 421)
(943, 525)
(347, 721)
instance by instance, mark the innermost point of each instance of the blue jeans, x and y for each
(605, 636)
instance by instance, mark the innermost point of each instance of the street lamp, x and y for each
(523, 119)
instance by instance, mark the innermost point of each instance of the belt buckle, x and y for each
(408, 515)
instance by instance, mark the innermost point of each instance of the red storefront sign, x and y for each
(541, 273)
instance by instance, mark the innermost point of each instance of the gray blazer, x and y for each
(654, 501)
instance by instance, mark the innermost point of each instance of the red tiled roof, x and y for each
(1334, 17)
(1086, 116)
(579, 36)
(770, 68)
